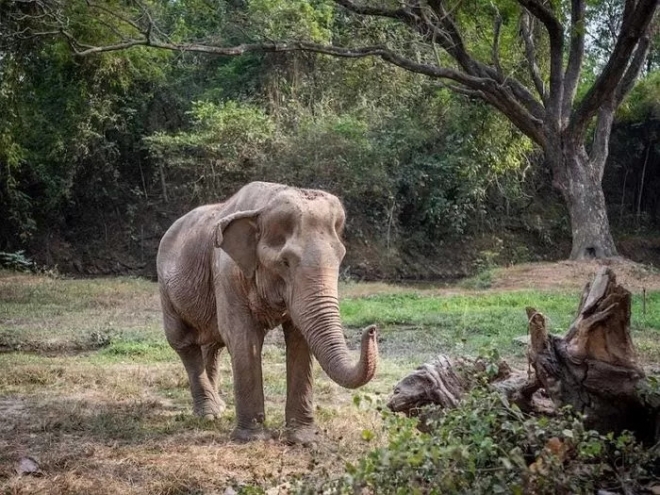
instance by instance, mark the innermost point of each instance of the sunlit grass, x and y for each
(414, 324)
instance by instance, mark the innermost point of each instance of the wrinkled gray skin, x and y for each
(230, 272)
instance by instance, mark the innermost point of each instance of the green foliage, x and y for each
(16, 261)
(84, 141)
(417, 325)
(68, 129)
(643, 102)
(445, 187)
(487, 446)
(225, 133)
(226, 144)
(298, 19)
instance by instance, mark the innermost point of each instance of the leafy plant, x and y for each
(487, 445)
(16, 261)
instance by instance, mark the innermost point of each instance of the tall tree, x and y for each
(536, 86)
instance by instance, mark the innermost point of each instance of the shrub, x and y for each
(16, 261)
(488, 446)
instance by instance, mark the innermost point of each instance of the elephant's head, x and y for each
(292, 250)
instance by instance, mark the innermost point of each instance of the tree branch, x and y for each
(575, 56)
(556, 35)
(116, 15)
(472, 93)
(633, 70)
(444, 31)
(530, 54)
(452, 42)
(605, 116)
(636, 21)
(601, 144)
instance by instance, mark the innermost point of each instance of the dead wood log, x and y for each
(443, 382)
(593, 368)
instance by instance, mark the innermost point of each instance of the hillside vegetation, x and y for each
(98, 155)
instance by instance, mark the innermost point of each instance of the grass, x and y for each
(90, 388)
(425, 325)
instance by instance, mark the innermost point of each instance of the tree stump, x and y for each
(593, 368)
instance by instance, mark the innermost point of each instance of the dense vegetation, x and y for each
(487, 445)
(99, 154)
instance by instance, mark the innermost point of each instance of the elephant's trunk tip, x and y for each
(369, 351)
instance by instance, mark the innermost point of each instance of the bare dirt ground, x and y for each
(561, 275)
(121, 423)
(574, 274)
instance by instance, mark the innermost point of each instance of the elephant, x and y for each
(230, 272)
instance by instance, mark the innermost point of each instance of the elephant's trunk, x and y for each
(315, 310)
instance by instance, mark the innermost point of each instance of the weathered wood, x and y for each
(440, 382)
(593, 368)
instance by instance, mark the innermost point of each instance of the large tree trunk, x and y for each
(579, 179)
(590, 226)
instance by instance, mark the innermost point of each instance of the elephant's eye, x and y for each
(285, 262)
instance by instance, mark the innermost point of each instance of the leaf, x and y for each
(367, 435)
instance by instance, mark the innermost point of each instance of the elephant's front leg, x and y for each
(245, 349)
(299, 397)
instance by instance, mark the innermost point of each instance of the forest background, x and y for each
(99, 155)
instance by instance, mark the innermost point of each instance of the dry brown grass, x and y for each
(124, 428)
(98, 422)
(562, 275)
(573, 275)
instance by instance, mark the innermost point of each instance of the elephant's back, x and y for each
(188, 238)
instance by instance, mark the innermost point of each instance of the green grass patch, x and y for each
(46, 315)
(136, 350)
(482, 280)
(424, 325)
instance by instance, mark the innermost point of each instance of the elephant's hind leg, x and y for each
(182, 338)
(210, 353)
(206, 402)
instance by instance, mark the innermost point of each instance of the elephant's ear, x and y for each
(237, 234)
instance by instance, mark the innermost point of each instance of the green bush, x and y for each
(16, 261)
(488, 446)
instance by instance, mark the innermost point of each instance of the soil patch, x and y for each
(574, 274)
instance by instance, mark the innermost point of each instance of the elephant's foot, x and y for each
(302, 435)
(250, 434)
(209, 409)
